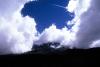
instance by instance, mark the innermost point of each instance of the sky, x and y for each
(48, 12)
(29, 22)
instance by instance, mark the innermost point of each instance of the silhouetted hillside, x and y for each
(44, 56)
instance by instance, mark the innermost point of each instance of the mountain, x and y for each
(44, 55)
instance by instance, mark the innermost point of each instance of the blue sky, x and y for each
(48, 12)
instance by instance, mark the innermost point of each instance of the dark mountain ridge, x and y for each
(45, 56)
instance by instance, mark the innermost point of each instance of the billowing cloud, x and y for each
(87, 18)
(86, 30)
(17, 33)
(52, 34)
(89, 29)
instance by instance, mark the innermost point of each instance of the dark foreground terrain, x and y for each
(55, 58)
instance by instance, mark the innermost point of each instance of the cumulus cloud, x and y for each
(72, 5)
(86, 30)
(52, 34)
(17, 33)
(87, 23)
(89, 29)
(63, 36)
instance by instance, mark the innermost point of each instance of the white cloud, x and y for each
(87, 12)
(7, 7)
(72, 5)
(52, 34)
(17, 33)
(87, 17)
(95, 44)
(86, 30)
